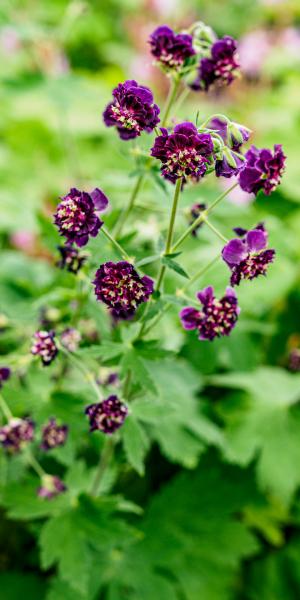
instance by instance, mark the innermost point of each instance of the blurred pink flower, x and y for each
(163, 7)
(9, 40)
(290, 40)
(23, 240)
(254, 48)
(237, 196)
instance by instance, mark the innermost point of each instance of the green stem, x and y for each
(170, 99)
(114, 242)
(104, 461)
(180, 293)
(215, 230)
(81, 366)
(5, 409)
(170, 232)
(126, 386)
(199, 274)
(125, 213)
(35, 465)
(202, 217)
(181, 99)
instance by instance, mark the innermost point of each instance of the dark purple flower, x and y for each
(184, 153)
(171, 49)
(221, 67)
(294, 360)
(53, 435)
(193, 214)
(263, 170)
(216, 317)
(44, 346)
(16, 433)
(247, 256)
(132, 110)
(4, 375)
(71, 259)
(76, 215)
(70, 339)
(107, 416)
(51, 486)
(230, 164)
(121, 288)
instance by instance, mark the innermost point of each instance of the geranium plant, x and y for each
(75, 470)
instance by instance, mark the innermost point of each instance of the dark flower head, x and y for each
(121, 288)
(247, 256)
(70, 339)
(107, 416)
(132, 110)
(53, 435)
(76, 215)
(51, 486)
(221, 67)
(294, 360)
(4, 375)
(216, 317)
(44, 346)
(263, 170)
(193, 214)
(170, 49)
(184, 153)
(71, 259)
(16, 433)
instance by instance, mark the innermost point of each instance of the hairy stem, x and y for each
(170, 232)
(81, 366)
(5, 409)
(116, 244)
(170, 99)
(126, 212)
(105, 458)
(202, 217)
(215, 230)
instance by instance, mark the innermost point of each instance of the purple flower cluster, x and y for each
(263, 170)
(170, 49)
(44, 346)
(184, 153)
(221, 68)
(132, 110)
(53, 435)
(247, 256)
(121, 288)
(294, 360)
(216, 318)
(107, 416)
(76, 215)
(16, 433)
(4, 375)
(51, 486)
(71, 259)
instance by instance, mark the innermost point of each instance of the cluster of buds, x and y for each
(16, 433)
(44, 346)
(107, 416)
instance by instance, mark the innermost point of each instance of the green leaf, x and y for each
(139, 370)
(105, 351)
(135, 442)
(62, 542)
(147, 260)
(265, 423)
(174, 266)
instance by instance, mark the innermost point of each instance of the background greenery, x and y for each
(215, 512)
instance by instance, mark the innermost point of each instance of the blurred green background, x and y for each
(59, 62)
